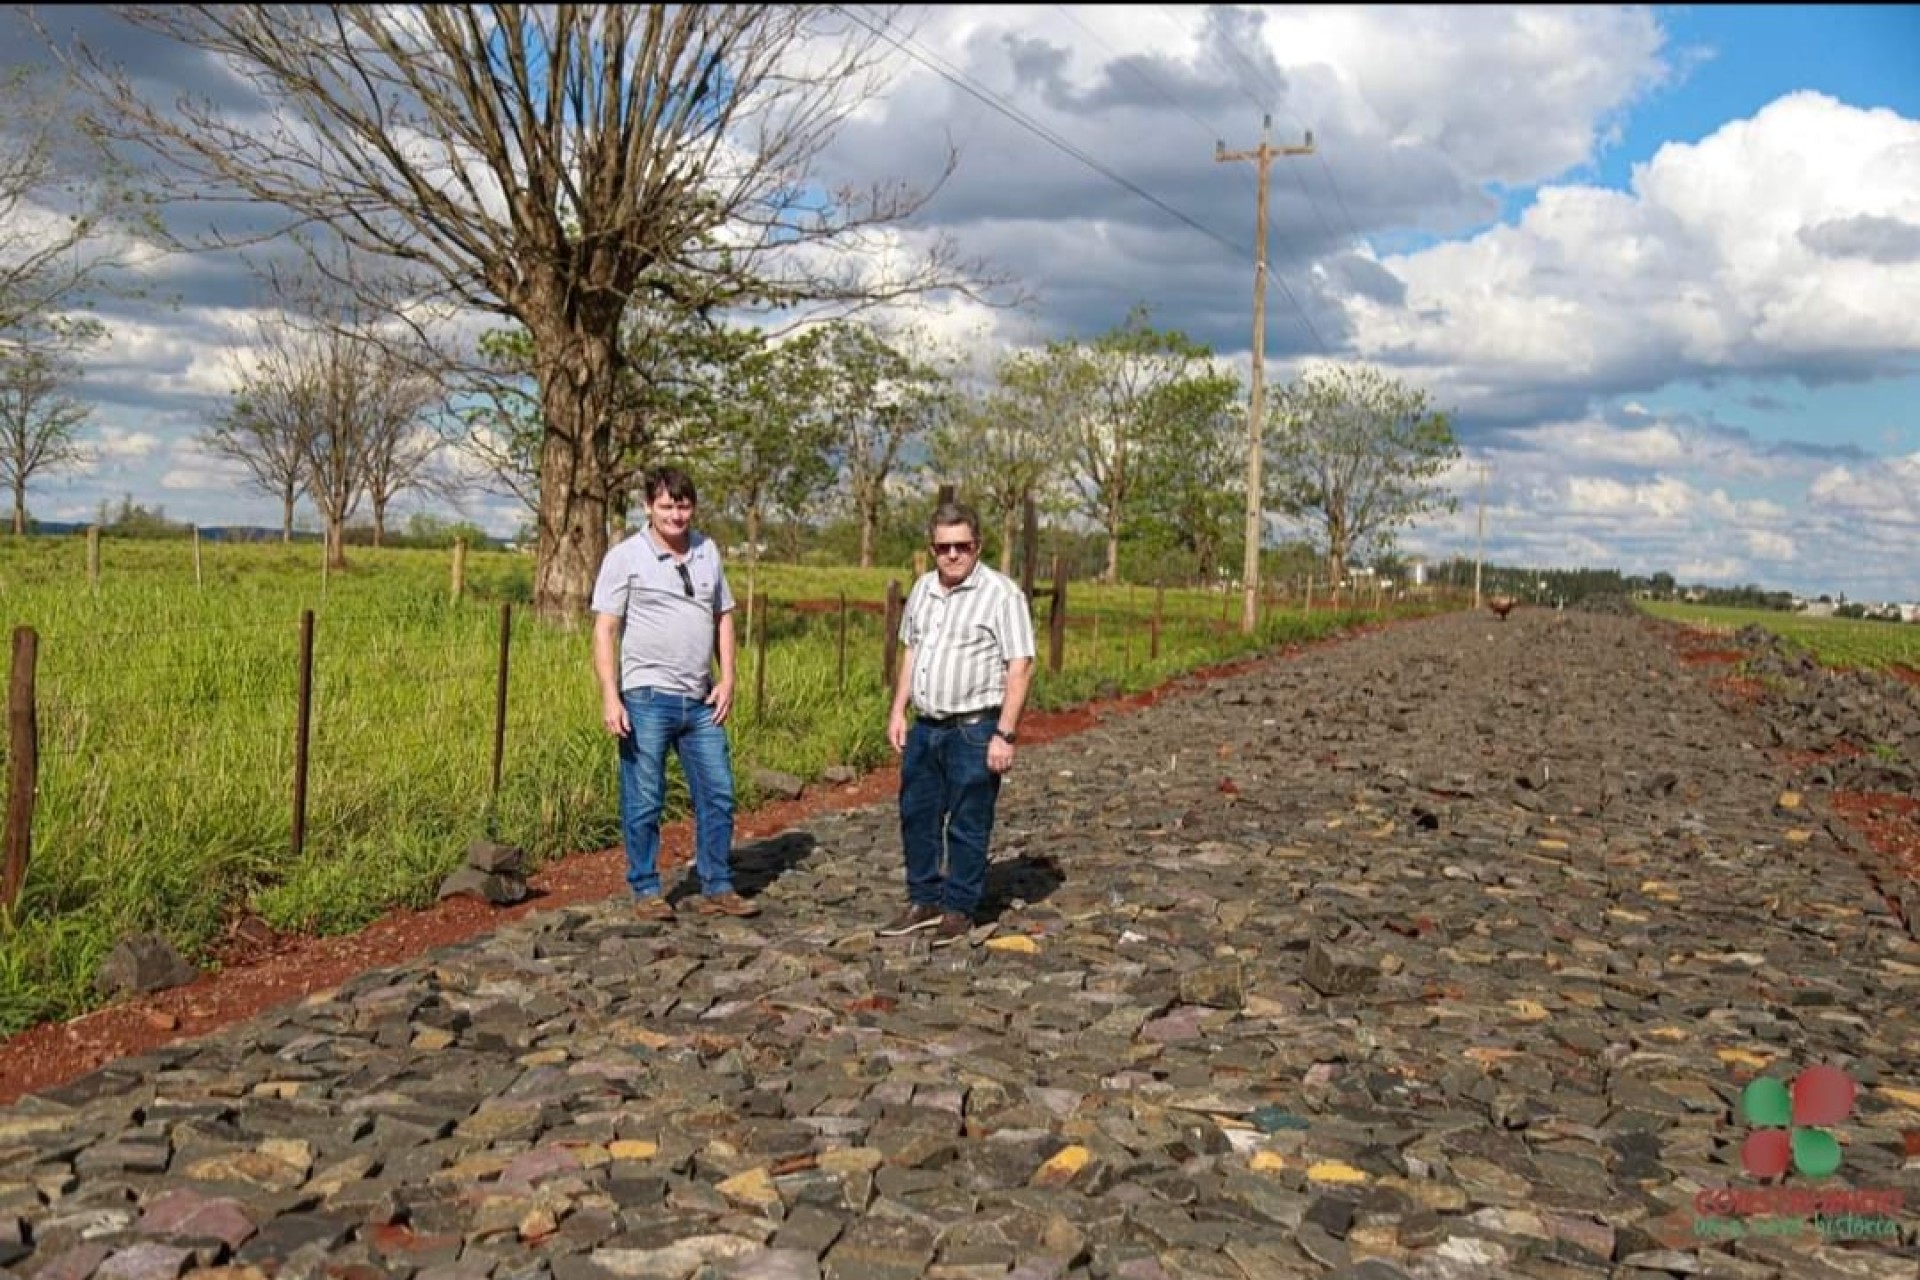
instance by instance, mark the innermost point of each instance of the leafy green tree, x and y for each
(770, 445)
(1005, 443)
(1192, 474)
(871, 401)
(1353, 454)
(546, 164)
(678, 377)
(1123, 412)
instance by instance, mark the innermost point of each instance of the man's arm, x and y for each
(902, 695)
(720, 698)
(606, 671)
(1019, 680)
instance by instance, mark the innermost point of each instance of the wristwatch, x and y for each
(1005, 735)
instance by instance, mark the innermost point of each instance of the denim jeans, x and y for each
(947, 798)
(660, 720)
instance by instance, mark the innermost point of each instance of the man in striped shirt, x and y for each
(968, 661)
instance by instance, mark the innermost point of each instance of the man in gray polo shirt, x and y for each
(966, 668)
(662, 614)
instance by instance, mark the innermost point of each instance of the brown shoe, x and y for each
(915, 918)
(653, 908)
(725, 904)
(952, 928)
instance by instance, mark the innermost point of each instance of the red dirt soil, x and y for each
(259, 970)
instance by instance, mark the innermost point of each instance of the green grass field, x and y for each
(167, 706)
(1835, 642)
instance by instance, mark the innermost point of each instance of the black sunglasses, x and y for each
(951, 548)
(686, 579)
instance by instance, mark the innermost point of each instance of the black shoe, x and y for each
(915, 918)
(952, 927)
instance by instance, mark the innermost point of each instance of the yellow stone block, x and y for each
(1789, 800)
(1062, 1167)
(633, 1149)
(1745, 1058)
(1334, 1171)
(1558, 846)
(1528, 1010)
(1799, 835)
(1267, 1162)
(1016, 942)
(1905, 1097)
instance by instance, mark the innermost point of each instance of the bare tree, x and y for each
(261, 431)
(337, 390)
(39, 422)
(548, 163)
(61, 192)
(400, 447)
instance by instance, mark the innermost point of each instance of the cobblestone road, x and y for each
(1453, 950)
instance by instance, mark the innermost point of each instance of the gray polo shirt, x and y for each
(963, 639)
(667, 637)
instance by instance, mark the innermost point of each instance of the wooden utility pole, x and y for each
(1262, 156)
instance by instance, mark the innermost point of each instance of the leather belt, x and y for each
(965, 717)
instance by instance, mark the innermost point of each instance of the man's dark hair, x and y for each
(954, 513)
(670, 482)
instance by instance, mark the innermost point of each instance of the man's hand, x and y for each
(999, 754)
(721, 700)
(613, 714)
(897, 731)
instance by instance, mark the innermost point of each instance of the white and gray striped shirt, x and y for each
(963, 639)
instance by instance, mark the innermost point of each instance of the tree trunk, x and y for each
(379, 522)
(753, 527)
(287, 499)
(336, 542)
(1112, 575)
(576, 399)
(1006, 544)
(20, 508)
(868, 518)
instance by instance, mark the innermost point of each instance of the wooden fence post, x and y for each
(1057, 619)
(23, 765)
(500, 698)
(843, 642)
(759, 605)
(303, 723)
(890, 641)
(459, 567)
(93, 557)
(1029, 547)
(199, 582)
(1153, 628)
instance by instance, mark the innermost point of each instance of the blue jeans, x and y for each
(660, 720)
(947, 798)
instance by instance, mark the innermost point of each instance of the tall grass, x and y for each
(167, 708)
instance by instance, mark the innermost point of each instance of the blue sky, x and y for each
(1659, 263)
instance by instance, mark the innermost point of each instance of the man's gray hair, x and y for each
(949, 513)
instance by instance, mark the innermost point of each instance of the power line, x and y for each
(988, 98)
